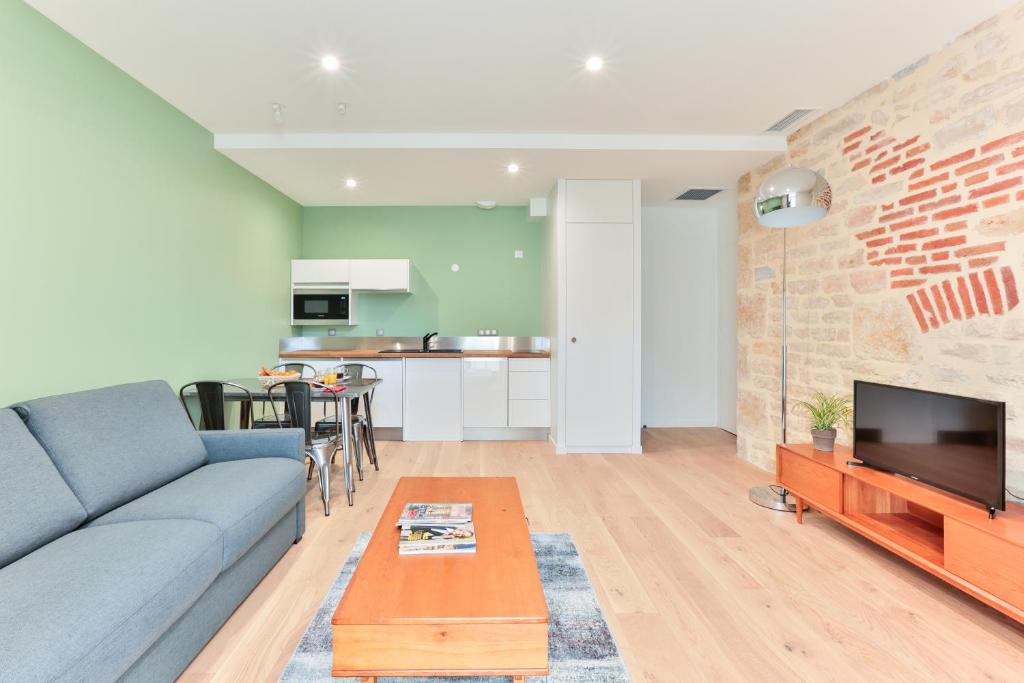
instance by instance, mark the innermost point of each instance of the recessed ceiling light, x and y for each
(330, 62)
(351, 183)
(513, 168)
(595, 63)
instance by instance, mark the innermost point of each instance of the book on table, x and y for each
(436, 513)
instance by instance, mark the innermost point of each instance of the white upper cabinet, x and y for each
(380, 275)
(599, 201)
(321, 271)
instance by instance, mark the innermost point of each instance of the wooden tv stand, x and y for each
(944, 534)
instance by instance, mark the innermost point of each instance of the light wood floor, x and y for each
(697, 583)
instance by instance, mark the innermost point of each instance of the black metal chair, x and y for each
(212, 407)
(362, 424)
(298, 407)
(305, 370)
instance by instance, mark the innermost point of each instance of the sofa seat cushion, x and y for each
(36, 505)
(243, 498)
(115, 444)
(87, 605)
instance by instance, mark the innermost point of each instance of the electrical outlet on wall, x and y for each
(380, 331)
(331, 332)
(518, 253)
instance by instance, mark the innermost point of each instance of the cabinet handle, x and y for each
(573, 340)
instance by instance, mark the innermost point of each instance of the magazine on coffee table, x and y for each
(435, 513)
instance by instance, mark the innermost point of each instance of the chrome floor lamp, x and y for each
(789, 198)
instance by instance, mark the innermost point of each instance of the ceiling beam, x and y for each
(565, 141)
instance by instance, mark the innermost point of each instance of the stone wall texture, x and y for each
(914, 277)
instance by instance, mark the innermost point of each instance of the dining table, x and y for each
(246, 390)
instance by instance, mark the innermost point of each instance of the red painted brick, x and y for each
(1003, 142)
(979, 164)
(965, 297)
(976, 178)
(995, 187)
(917, 234)
(902, 225)
(879, 242)
(953, 213)
(1010, 284)
(957, 225)
(1010, 168)
(938, 204)
(919, 197)
(872, 254)
(885, 164)
(860, 164)
(877, 134)
(899, 284)
(916, 260)
(954, 241)
(1019, 196)
(922, 296)
(870, 233)
(881, 155)
(1018, 152)
(982, 249)
(889, 206)
(979, 294)
(940, 304)
(944, 268)
(996, 201)
(955, 159)
(878, 179)
(856, 134)
(901, 249)
(906, 143)
(918, 314)
(993, 292)
(906, 166)
(929, 181)
(887, 261)
(902, 272)
(879, 145)
(895, 215)
(954, 307)
(917, 174)
(940, 256)
(948, 188)
(920, 149)
(850, 148)
(984, 262)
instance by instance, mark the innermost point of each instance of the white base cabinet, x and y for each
(485, 392)
(433, 399)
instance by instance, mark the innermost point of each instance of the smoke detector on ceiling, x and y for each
(789, 120)
(486, 204)
(698, 194)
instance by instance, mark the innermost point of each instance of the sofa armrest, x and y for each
(242, 444)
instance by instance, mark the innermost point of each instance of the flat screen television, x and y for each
(951, 442)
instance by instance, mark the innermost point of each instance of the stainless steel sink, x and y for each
(421, 351)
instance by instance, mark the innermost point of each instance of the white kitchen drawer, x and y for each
(528, 414)
(528, 364)
(528, 385)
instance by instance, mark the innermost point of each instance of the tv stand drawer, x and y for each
(988, 562)
(820, 485)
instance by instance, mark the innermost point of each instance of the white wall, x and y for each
(553, 314)
(727, 240)
(689, 315)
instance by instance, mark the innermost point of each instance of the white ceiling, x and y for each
(427, 67)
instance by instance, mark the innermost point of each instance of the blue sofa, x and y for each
(126, 537)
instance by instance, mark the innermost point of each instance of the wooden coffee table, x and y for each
(480, 614)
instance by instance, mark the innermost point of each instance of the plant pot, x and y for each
(824, 439)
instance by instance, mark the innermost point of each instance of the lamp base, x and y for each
(773, 497)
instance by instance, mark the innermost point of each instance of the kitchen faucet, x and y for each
(426, 340)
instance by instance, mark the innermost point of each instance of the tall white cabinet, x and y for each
(593, 296)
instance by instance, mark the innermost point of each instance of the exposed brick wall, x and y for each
(915, 276)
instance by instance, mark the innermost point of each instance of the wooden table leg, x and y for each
(799, 509)
(367, 679)
(518, 679)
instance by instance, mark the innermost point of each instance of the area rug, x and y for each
(580, 645)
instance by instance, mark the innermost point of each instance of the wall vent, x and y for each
(698, 194)
(789, 120)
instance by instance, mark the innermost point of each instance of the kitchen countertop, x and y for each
(375, 353)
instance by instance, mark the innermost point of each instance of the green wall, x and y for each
(491, 290)
(129, 248)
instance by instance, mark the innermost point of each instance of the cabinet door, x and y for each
(321, 271)
(433, 399)
(387, 397)
(599, 201)
(599, 316)
(390, 275)
(529, 413)
(485, 392)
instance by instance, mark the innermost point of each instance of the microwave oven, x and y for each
(328, 307)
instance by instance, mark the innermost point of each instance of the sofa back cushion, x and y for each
(115, 444)
(36, 505)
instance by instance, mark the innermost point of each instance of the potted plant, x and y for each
(826, 412)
